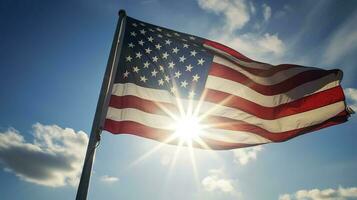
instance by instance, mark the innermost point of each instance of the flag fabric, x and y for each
(164, 74)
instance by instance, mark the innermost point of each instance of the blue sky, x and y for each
(52, 59)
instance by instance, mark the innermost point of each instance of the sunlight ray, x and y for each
(155, 149)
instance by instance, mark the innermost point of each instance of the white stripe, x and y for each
(252, 64)
(120, 89)
(166, 123)
(300, 120)
(271, 80)
(303, 90)
(287, 123)
(135, 115)
(234, 136)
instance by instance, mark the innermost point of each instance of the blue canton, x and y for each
(159, 58)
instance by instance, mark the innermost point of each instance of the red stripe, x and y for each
(304, 104)
(129, 127)
(222, 71)
(259, 72)
(228, 50)
(148, 106)
(311, 102)
(134, 128)
(271, 71)
(236, 125)
(212, 121)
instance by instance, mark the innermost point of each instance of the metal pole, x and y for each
(102, 106)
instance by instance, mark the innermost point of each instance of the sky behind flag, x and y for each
(52, 60)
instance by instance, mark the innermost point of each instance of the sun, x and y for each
(188, 129)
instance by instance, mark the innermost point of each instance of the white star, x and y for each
(151, 30)
(159, 29)
(129, 58)
(143, 79)
(159, 35)
(189, 67)
(158, 46)
(168, 42)
(182, 59)
(167, 79)
(148, 50)
(176, 34)
(192, 38)
(195, 77)
(173, 89)
(201, 61)
(136, 69)
(131, 45)
(184, 40)
(161, 68)
(153, 73)
(126, 74)
(193, 53)
(150, 39)
(185, 45)
(134, 24)
(177, 74)
(161, 82)
(141, 42)
(191, 94)
(142, 24)
(184, 83)
(165, 55)
(155, 58)
(146, 64)
(142, 32)
(171, 65)
(133, 33)
(138, 55)
(175, 50)
(168, 35)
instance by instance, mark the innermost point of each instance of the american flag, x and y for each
(164, 75)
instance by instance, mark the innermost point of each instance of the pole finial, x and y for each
(121, 12)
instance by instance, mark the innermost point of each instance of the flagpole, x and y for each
(102, 105)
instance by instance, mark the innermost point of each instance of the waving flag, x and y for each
(165, 76)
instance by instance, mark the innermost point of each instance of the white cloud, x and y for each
(267, 47)
(266, 12)
(271, 43)
(342, 42)
(327, 194)
(351, 95)
(109, 179)
(236, 12)
(244, 155)
(215, 182)
(54, 158)
(259, 46)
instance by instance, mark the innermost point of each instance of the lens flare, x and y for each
(188, 129)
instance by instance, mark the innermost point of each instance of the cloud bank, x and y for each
(215, 182)
(245, 155)
(54, 158)
(327, 194)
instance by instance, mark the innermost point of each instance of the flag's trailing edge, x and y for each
(164, 74)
